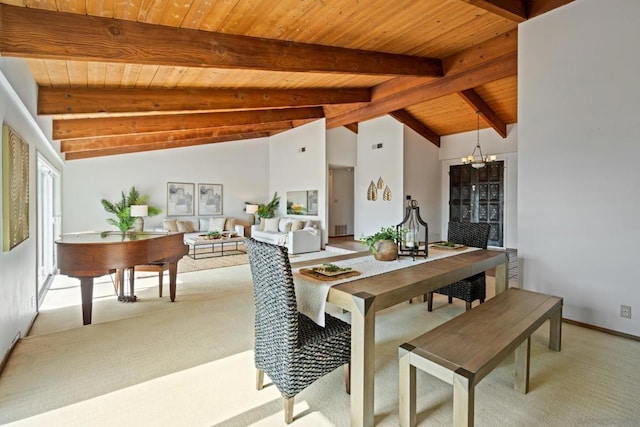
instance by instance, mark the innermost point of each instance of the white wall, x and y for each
(422, 180)
(386, 162)
(341, 147)
(290, 169)
(18, 94)
(454, 147)
(242, 167)
(578, 143)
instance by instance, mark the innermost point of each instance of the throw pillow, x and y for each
(185, 226)
(204, 224)
(271, 224)
(230, 224)
(261, 224)
(308, 224)
(217, 224)
(282, 225)
(287, 227)
(297, 225)
(170, 225)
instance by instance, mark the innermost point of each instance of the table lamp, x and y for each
(137, 212)
(251, 210)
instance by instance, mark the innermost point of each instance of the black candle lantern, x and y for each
(410, 243)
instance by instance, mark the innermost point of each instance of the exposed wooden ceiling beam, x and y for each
(161, 146)
(514, 10)
(111, 100)
(539, 7)
(474, 100)
(485, 62)
(403, 116)
(353, 127)
(518, 10)
(86, 144)
(90, 38)
(87, 128)
(494, 70)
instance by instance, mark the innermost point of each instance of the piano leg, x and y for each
(173, 271)
(86, 289)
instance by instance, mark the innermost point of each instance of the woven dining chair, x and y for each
(472, 288)
(290, 348)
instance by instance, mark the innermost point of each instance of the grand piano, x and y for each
(93, 254)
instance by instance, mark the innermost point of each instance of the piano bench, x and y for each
(159, 267)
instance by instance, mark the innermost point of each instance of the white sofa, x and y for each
(298, 235)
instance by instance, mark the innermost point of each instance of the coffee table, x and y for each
(199, 242)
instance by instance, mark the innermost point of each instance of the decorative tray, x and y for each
(331, 270)
(328, 272)
(447, 245)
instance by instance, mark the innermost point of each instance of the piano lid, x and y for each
(108, 236)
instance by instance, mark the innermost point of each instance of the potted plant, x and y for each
(269, 210)
(384, 243)
(122, 209)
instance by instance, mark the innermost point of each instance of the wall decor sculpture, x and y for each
(372, 192)
(15, 189)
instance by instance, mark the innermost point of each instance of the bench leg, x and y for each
(463, 401)
(555, 332)
(407, 389)
(521, 374)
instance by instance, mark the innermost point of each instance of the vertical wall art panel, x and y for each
(15, 189)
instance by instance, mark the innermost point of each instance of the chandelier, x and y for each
(478, 161)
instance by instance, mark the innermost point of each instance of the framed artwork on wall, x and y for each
(209, 199)
(15, 189)
(180, 198)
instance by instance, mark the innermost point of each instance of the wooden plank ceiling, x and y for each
(125, 76)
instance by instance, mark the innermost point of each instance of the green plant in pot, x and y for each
(383, 244)
(122, 209)
(268, 210)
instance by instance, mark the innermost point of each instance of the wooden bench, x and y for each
(465, 349)
(158, 267)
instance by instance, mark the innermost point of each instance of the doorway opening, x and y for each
(341, 201)
(48, 224)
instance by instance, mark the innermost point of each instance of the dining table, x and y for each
(363, 297)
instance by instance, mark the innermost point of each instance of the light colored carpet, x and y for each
(190, 363)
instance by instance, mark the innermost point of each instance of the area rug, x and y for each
(187, 264)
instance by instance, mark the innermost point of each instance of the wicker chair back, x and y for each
(289, 347)
(475, 234)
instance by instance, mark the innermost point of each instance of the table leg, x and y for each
(362, 359)
(555, 332)
(173, 272)
(521, 374)
(502, 277)
(86, 290)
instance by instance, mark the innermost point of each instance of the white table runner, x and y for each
(311, 295)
